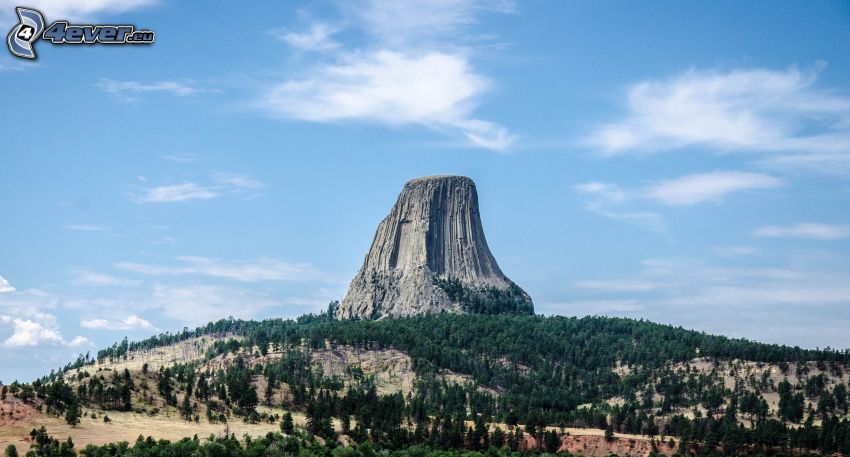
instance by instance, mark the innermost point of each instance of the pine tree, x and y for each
(203, 390)
(551, 442)
(269, 394)
(286, 424)
(186, 409)
(498, 439)
(127, 391)
(73, 413)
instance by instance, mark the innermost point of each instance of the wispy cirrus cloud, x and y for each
(610, 200)
(617, 285)
(253, 270)
(130, 90)
(87, 227)
(423, 22)
(237, 181)
(795, 304)
(182, 157)
(733, 251)
(219, 184)
(81, 276)
(191, 302)
(711, 186)
(176, 193)
(317, 37)
(131, 322)
(78, 9)
(810, 230)
(195, 303)
(615, 202)
(414, 70)
(745, 110)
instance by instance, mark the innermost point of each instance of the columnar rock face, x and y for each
(429, 255)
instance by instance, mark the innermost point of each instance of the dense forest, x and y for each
(530, 374)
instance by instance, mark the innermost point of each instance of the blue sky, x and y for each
(687, 163)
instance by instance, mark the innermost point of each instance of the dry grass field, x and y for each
(127, 426)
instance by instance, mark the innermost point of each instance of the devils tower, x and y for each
(430, 256)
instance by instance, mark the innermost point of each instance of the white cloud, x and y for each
(316, 38)
(183, 157)
(614, 202)
(197, 304)
(420, 23)
(26, 311)
(592, 307)
(29, 333)
(5, 287)
(608, 199)
(79, 341)
(91, 278)
(165, 240)
(711, 186)
(647, 220)
(733, 251)
(605, 191)
(617, 285)
(801, 304)
(77, 9)
(254, 270)
(434, 89)
(412, 70)
(757, 110)
(128, 90)
(806, 230)
(87, 227)
(221, 184)
(132, 322)
(177, 193)
(237, 180)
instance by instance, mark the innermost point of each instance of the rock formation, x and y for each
(429, 255)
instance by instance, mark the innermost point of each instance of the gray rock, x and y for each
(433, 234)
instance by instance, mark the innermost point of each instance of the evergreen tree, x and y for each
(203, 390)
(498, 438)
(73, 413)
(840, 395)
(186, 410)
(286, 424)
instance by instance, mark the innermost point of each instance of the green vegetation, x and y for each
(486, 300)
(529, 370)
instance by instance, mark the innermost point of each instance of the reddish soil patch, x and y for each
(14, 412)
(598, 446)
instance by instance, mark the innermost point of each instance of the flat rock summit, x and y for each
(429, 256)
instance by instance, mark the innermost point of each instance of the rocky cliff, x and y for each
(429, 255)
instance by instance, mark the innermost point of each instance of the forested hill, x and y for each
(612, 374)
(543, 368)
(452, 341)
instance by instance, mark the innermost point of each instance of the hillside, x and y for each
(452, 381)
